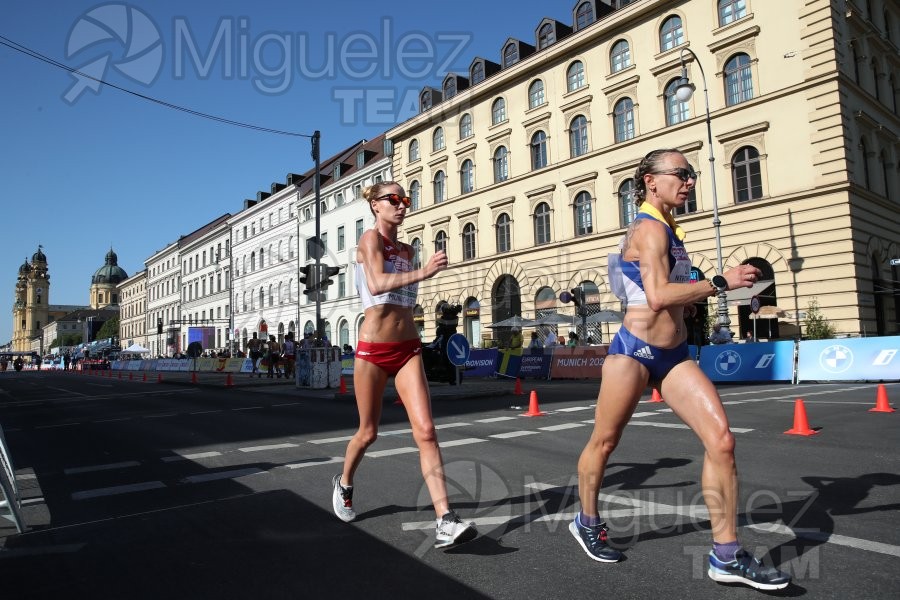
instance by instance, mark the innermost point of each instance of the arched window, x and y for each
(279, 296)
(280, 255)
(875, 78)
(885, 178)
(477, 74)
(731, 10)
(584, 221)
(578, 136)
(468, 241)
(535, 93)
(623, 120)
(619, 56)
(510, 55)
(262, 258)
(449, 87)
(584, 15)
(467, 177)
(501, 164)
(546, 36)
(465, 126)
(262, 298)
(504, 243)
(738, 80)
(575, 76)
(626, 201)
(415, 195)
(413, 150)
(425, 100)
(253, 261)
(498, 111)
(440, 187)
(343, 333)
(671, 34)
(864, 154)
(746, 175)
(676, 110)
(245, 301)
(291, 247)
(417, 253)
(437, 139)
(542, 224)
(440, 241)
(538, 150)
(287, 291)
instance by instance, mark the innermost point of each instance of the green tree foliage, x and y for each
(817, 326)
(109, 329)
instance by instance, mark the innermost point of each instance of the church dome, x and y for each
(25, 269)
(39, 256)
(110, 272)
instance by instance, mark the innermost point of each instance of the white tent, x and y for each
(136, 349)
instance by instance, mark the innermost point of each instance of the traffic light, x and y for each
(577, 297)
(327, 274)
(159, 326)
(308, 277)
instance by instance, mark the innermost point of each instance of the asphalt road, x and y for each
(139, 490)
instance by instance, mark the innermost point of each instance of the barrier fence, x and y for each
(10, 501)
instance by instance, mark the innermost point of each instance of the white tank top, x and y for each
(404, 296)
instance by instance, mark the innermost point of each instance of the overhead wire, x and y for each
(4, 41)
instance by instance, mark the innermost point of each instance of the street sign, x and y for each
(755, 304)
(895, 262)
(458, 349)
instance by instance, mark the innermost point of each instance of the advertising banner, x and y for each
(581, 362)
(851, 359)
(536, 365)
(481, 362)
(763, 361)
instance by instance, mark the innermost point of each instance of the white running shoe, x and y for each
(451, 531)
(342, 500)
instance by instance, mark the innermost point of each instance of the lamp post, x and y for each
(684, 89)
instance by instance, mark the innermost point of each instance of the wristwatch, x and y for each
(719, 283)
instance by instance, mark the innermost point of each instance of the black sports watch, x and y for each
(720, 283)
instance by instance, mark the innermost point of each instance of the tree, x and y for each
(109, 329)
(817, 326)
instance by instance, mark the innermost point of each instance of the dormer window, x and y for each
(336, 172)
(360, 159)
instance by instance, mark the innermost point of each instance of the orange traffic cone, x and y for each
(533, 409)
(518, 391)
(881, 401)
(655, 397)
(193, 376)
(801, 424)
(343, 388)
(228, 381)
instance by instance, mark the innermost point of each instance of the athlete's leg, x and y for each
(694, 399)
(368, 385)
(413, 389)
(624, 380)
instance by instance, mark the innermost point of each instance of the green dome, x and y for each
(39, 256)
(110, 272)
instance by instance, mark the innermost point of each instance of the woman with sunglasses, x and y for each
(651, 274)
(389, 345)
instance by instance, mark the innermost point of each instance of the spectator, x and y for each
(749, 337)
(719, 336)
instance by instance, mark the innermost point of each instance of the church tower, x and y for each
(31, 310)
(105, 282)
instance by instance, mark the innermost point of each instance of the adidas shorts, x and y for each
(659, 361)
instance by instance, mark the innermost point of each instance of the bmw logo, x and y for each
(728, 362)
(836, 358)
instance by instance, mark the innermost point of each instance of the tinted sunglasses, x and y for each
(396, 199)
(681, 173)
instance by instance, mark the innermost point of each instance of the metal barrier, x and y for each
(9, 488)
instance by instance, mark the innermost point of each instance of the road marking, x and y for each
(663, 425)
(118, 489)
(107, 467)
(462, 442)
(512, 434)
(449, 425)
(68, 392)
(314, 462)
(573, 408)
(496, 419)
(204, 412)
(287, 404)
(561, 426)
(830, 538)
(645, 414)
(112, 420)
(162, 416)
(248, 408)
(233, 474)
(190, 456)
(343, 438)
(269, 447)
(380, 453)
(57, 425)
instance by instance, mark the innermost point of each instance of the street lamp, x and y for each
(684, 89)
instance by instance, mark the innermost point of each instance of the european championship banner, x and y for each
(762, 361)
(481, 362)
(580, 362)
(850, 359)
(535, 365)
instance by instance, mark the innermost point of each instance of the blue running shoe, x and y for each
(747, 570)
(593, 540)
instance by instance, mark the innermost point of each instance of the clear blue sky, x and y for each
(82, 171)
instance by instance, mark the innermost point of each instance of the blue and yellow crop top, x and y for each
(625, 276)
(404, 296)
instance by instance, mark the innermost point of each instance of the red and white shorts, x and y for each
(390, 356)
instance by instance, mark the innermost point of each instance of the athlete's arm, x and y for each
(369, 254)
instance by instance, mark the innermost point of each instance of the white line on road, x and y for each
(118, 489)
(162, 416)
(190, 456)
(57, 425)
(462, 442)
(561, 426)
(233, 474)
(512, 434)
(248, 408)
(573, 408)
(112, 420)
(343, 438)
(315, 462)
(392, 452)
(107, 467)
(496, 419)
(269, 447)
(205, 412)
(287, 404)
(449, 425)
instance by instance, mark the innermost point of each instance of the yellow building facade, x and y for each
(521, 168)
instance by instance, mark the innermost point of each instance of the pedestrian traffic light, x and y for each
(576, 296)
(327, 274)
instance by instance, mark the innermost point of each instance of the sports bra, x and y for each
(625, 276)
(404, 296)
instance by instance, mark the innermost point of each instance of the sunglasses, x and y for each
(681, 173)
(396, 199)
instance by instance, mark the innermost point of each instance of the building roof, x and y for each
(110, 272)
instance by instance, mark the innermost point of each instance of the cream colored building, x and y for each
(522, 167)
(133, 314)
